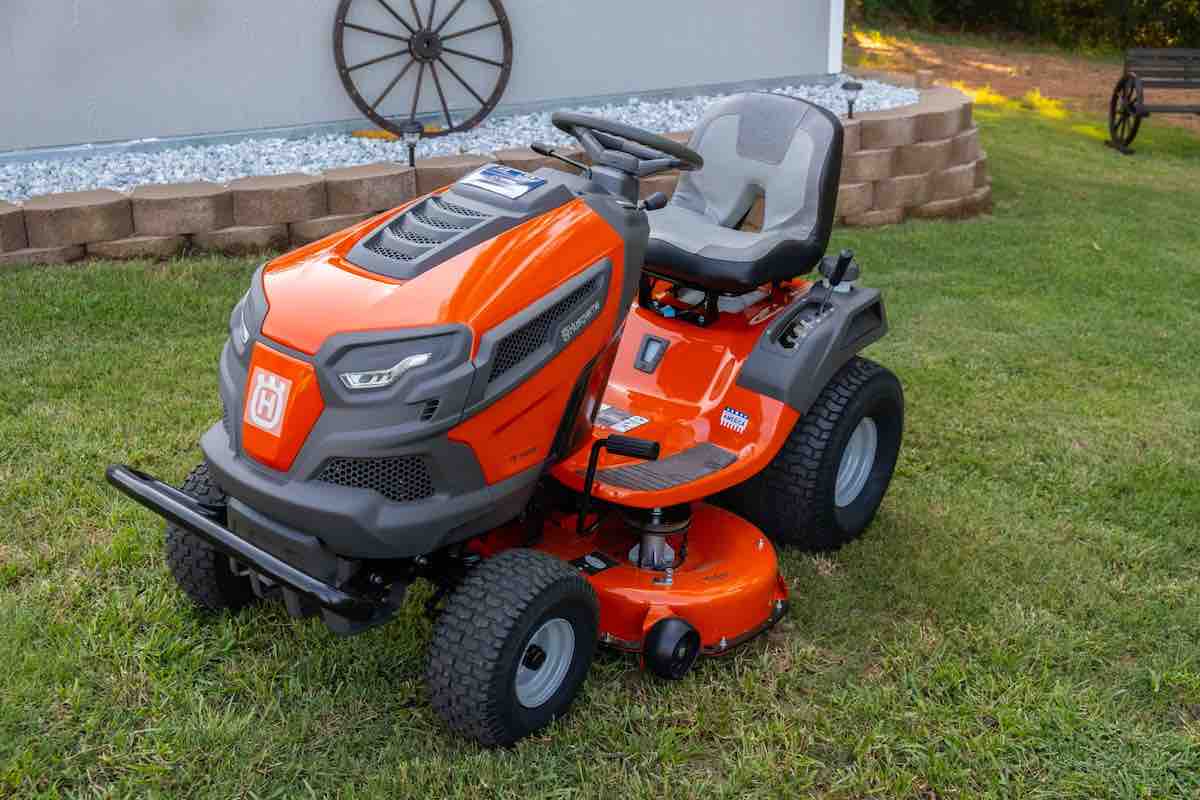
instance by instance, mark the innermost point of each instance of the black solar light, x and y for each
(851, 89)
(411, 132)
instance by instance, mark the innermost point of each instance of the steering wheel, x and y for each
(625, 148)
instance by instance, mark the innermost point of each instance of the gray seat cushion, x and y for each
(783, 149)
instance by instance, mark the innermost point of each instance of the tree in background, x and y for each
(1072, 23)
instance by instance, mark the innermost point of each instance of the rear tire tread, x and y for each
(785, 499)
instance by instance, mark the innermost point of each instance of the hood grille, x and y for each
(401, 479)
(423, 229)
(525, 340)
(461, 211)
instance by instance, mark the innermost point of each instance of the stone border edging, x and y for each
(922, 160)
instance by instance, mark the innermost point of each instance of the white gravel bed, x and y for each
(224, 162)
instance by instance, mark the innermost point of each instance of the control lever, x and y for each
(631, 446)
(835, 271)
(654, 202)
(548, 151)
(645, 449)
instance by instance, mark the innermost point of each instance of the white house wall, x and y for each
(101, 70)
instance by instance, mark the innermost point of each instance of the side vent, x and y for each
(430, 409)
(525, 340)
(424, 228)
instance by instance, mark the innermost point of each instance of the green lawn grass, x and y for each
(1023, 619)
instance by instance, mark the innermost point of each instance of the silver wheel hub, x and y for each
(545, 662)
(857, 460)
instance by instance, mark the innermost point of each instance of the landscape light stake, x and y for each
(411, 132)
(851, 88)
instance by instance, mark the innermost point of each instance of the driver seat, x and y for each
(759, 144)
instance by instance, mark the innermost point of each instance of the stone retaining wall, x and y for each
(922, 160)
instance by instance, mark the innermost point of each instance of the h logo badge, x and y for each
(268, 400)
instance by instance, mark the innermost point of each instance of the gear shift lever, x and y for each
(835, 271)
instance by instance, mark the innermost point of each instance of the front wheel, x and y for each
(512, 647)
(204, 573)
(825, 485)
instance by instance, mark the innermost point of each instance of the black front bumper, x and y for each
(204, 521)
(363, 524)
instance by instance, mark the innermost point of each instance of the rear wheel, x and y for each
(512, 647)
(204, 573)
(824, 486)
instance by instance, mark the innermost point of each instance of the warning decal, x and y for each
(618, 419)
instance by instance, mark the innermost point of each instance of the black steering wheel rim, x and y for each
(568, 122)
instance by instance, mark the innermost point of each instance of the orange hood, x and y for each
(315, 293)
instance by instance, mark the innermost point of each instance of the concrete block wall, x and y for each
(922, 160)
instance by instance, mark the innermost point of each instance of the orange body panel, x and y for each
(282, 403)
(684, 398)
(725, 581)
(314, 293)
(728, 586)
(516, 432)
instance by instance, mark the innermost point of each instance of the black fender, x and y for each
(795, 368)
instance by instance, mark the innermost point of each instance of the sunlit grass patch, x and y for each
(984, 95)
(1046, 106)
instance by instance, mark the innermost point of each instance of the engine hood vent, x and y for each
(422, 229)
(443, 225)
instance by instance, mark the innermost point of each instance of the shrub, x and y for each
(1072, 23)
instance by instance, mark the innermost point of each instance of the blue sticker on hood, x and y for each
(507, 181)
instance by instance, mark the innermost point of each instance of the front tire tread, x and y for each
(476, 638)
(202, 572)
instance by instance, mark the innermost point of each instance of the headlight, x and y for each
(380, 378)
(243, 331)
(239, 331)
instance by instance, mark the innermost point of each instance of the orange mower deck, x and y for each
(727, 584)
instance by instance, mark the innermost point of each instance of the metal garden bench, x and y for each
(1149, 68)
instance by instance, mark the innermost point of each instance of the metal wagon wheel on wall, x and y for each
(1123, 117)
(428, 46)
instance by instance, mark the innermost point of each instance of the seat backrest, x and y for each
(761, 144)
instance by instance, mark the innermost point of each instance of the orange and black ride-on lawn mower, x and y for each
(585, 419)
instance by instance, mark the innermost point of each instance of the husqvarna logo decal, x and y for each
(268, 400)
(571, 329)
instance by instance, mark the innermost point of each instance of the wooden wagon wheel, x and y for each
(431, 43)
(1123, 118)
